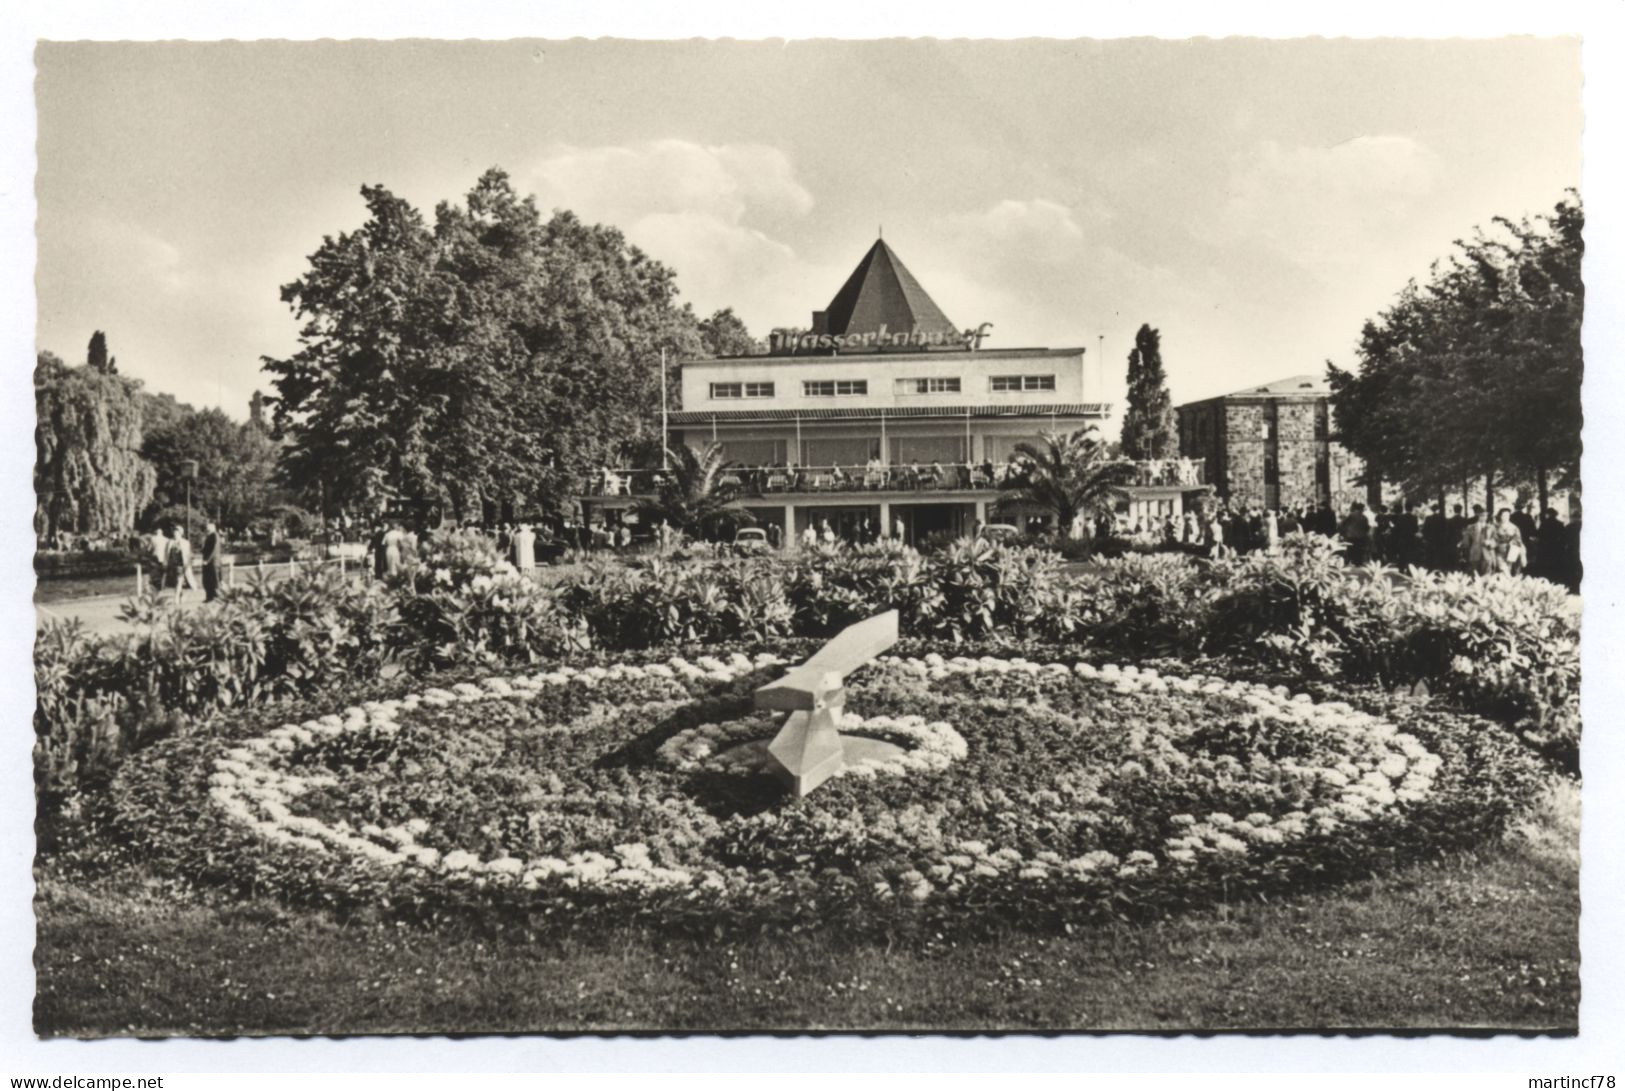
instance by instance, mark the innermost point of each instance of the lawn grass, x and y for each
(1481, 939)
(49, 591)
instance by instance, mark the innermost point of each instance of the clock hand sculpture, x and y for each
(808, 749)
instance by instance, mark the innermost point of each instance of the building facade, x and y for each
(880, 418)
(1272, 446)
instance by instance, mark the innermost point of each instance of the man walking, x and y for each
(211, 561)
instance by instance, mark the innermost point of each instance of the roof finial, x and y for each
(880, 231)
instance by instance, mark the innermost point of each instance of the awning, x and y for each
(892, 412)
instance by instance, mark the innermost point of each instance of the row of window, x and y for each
(841, 388)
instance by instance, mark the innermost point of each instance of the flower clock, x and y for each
(1010, 786)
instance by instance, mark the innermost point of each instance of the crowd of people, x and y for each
(876, 475)
(1512, 540)
(170, 553)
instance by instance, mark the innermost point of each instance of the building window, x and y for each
(834, 388)
(928, 386)
(741, 390)
(1007, 383)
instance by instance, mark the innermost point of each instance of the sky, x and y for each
(1254, 200)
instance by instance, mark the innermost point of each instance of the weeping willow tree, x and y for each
(89, 476)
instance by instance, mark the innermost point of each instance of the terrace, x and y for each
(791, 481)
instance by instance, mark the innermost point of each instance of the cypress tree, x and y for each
(1148, 422)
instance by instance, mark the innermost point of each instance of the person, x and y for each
(897, 528)
(211, 561)
(1193, 531)
(1382, 540)
(1406, 525)
(1474, 546)
(809, 536)
(393, 548)
(1436, 540)
(1550, 542)
(1356, 531)
(1525, 523)
(775, 535)
(825, 532)
(178, 562)
(624, 536)
(1213, 543)
(523, 547)
(1504, 545)
(1272, 532)
(1457, 526)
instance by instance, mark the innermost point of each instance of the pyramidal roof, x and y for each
(882, 292)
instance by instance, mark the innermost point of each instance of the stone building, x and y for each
(1272, 446)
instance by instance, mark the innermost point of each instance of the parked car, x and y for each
(998, 532)
(751, 540)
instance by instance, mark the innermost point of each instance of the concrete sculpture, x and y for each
(808, 749)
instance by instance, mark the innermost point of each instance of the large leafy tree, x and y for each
(89, 476)
(691, 498)
(1149, 427)
(725, 334)
(490, 355)
(236, 466)
(1070, 476)
(1476, 373)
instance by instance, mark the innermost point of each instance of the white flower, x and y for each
(460, 860)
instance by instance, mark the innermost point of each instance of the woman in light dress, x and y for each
(1504, 546)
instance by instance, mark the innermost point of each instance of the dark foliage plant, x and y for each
(1504, 647)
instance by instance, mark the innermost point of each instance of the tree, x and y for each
(236, 466)
(256, 413)
(96, 355)
(1069, 476)
(1476, 374)
(1149, 429)
(490, 356)
(724, 334)
(89, 476)
(690, 499)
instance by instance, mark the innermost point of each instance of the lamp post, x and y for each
(189, 472)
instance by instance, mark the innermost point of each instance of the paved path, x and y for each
(100, 614)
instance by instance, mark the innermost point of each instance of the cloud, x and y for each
(1045, 273)
(618, 184)
(93, 250)
(1327, 209)
(708, 211)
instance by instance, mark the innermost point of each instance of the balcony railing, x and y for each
(934, 477)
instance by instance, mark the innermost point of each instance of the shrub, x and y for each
(1156, 603)
(975, 588)
(832, 586)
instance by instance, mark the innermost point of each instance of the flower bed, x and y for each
(1060, 790)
